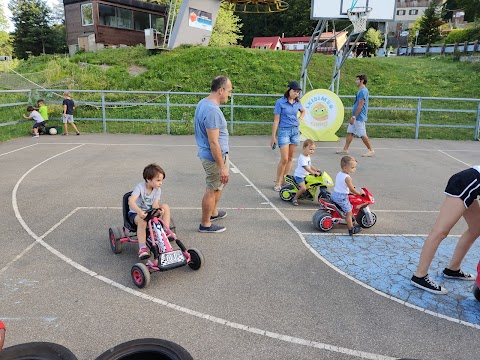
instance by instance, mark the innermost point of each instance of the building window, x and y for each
(115, 16)
(158, 23)
(400, 12)
(413, 12)
(142, 20)
(87, 14)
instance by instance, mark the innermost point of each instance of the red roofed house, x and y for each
(272, 43)
(301, 43)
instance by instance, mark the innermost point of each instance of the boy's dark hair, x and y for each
(151, 171)
(218, 82)
(346, 160)
(30, 108)
(362, 77)
(308, 142)
(39, 101)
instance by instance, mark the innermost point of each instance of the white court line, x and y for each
(9, 152)
(454, 158)
(253, 147)
(458, 321)
(286, 338)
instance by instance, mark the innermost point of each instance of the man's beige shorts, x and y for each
(211, 170)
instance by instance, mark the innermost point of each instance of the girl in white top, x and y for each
(304, 168)
(344, 186)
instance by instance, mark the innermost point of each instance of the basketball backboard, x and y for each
(382, 10)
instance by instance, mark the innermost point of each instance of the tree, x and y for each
(429, 24)
(413, 30)
(373, 38)
(5, 44)
(295, 21)
(471, 8)
(227, 27)
(3, 20)
(32, 32)
(57, 13)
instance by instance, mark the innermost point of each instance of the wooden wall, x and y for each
(73, 22)
(103, 34)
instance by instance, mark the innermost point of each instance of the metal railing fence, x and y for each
(110, 106)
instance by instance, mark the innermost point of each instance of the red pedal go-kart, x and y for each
(158, 242)
(330, 213)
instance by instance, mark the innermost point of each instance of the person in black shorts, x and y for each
(462, 191)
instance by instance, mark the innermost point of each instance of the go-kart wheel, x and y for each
(476, 292)
(140, 275)
(114, 235)
(362, 219)
(323, 220)
(146, 349)
(196, 259)
(286, 193)
(37, 351)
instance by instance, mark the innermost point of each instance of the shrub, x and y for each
(463, 35)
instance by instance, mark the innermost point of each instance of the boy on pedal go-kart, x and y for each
(145, 196)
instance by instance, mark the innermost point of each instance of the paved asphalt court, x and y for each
(272, 286)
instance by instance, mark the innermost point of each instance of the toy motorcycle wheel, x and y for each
(140, 275)
(476, 292)
(196, 259)
(114, 236)
(323, 220)
(362, 219)
(286, 193)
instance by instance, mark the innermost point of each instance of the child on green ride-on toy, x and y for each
(304, 168)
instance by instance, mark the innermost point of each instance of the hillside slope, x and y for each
(251, 71)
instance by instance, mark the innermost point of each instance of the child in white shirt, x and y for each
(344, 186)
(304, 168)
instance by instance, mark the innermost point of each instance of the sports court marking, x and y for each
(269, 334)
(285, 338)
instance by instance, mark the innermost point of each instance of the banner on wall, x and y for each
(324, 113)
(200, 19)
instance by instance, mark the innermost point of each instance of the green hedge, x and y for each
(461, 36)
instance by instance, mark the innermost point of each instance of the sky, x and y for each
(8, 13)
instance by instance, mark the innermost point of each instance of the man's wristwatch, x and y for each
(353, 116)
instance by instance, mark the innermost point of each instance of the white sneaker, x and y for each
(342, 152)
(369, 153)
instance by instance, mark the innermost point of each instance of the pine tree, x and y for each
(32, 33)
(429, 24)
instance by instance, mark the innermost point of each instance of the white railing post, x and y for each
(417, 123)
(104, 118)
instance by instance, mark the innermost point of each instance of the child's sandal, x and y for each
(294, 202)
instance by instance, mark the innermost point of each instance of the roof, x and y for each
(306, 39)
(270, 41)
(139, 4)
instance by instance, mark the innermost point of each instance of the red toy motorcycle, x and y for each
(331, 213)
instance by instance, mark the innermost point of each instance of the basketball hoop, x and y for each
(359, 18)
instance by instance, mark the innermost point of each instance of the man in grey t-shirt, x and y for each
(211, 135)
